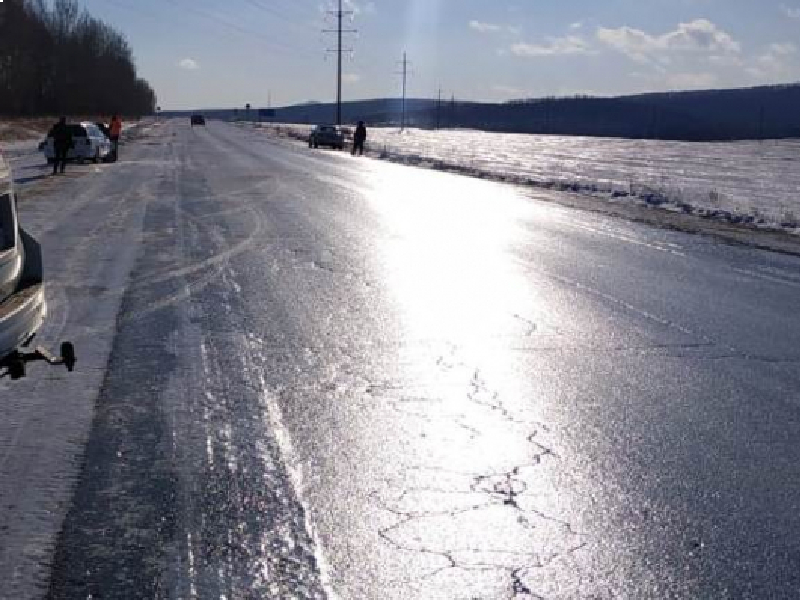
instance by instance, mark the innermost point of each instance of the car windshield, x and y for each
(400, 299)
(6, 223)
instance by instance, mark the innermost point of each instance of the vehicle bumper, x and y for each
(21, 315)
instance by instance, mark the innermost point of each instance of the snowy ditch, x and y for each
(754, 183)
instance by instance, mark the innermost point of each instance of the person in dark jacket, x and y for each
(115, 129)
(359, 138)
(62, 142)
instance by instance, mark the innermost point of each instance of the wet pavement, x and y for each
(334, 377)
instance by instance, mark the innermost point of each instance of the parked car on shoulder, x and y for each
(88, 143)
(198, 120)
(23, 307)
(326, 135)
(22, 300)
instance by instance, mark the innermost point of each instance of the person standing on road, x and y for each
(359, 138)
(62, 142)
(115, 130)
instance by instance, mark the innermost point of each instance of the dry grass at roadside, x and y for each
(30, 128)
(15, 130)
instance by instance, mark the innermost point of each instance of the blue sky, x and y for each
(221, 53)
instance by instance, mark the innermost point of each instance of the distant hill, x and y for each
(736, 114)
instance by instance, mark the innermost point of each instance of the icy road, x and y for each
(307, 375)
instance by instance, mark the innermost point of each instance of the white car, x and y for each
(88, 143)
(22, 301)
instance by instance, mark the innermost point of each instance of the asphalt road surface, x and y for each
(308, 375)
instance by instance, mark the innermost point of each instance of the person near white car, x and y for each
(62, 142)
(115, 129)
(82, 141)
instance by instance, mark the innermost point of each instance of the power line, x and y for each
(232, 28)
(271, 11)
(404, 74)
(339, 14)
(242, 30)
(439, 110)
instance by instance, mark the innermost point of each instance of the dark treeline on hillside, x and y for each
(751, 113)
(57, 59)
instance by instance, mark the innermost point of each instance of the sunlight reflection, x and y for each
(449, 259)
(468, 414)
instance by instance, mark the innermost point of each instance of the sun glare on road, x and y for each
(448, 257)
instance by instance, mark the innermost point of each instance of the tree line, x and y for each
(55, 58)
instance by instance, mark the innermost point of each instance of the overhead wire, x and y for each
(271, 11)
(296, 51)
(230, 26)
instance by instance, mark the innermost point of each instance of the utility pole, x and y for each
(439, 110)
(339, 14)
(404, 74)
(339, 68)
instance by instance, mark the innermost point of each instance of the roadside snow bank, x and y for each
(749, 183)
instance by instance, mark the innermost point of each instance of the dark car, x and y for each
(326, 135)
(198, 120)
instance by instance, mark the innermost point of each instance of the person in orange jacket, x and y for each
(115, 130)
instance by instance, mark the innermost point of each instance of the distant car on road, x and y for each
(198, 120)
(326, 135)
(88, 143)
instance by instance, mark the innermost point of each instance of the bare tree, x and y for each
(58, 59)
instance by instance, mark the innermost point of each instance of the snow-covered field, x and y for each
(740, 182)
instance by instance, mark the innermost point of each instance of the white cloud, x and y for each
(189, 64)
(691, 81)
(569, 45)
(698, 36)
(791, 11)
(485, 27)
(509, 91)
(784, 49)
(357, 7)
(777, 63)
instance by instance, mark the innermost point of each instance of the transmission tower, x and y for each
(339, 15)
(404, 74)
